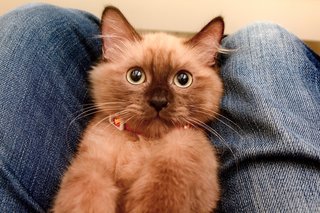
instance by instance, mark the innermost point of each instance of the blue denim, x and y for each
(45, 53)
(271, 159)
(270, 151)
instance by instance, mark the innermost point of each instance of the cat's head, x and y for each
(156, 82)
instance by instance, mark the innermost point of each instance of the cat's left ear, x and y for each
(208, 40)
(116, 31)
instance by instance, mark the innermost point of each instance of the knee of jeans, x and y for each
(46, 24)
(268, 31)
(261, 33)
(32, 17)
(35, 7)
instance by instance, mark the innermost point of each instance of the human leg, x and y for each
(45, 53)
(270, 161)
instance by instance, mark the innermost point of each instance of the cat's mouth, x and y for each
(152, 125)
(157, 120)
(159, 117)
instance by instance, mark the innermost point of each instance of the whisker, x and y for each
(122, 113)
(213, 132)
(211, 113)
(223, 50)
(92, 109)
(208, 128)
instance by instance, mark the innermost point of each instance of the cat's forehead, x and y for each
(163, 52)
(162, 43)
(161, 40)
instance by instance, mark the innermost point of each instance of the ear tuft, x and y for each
(115, 30)
(208, 40)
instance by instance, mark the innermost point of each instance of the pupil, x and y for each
(136, 75)
(183, 78)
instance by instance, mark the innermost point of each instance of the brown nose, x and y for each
(159, 99)
(158, 103)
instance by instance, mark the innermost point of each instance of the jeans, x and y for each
(268, 136)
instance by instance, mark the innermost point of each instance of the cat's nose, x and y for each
(158, 103)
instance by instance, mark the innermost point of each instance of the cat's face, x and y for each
(156, 82)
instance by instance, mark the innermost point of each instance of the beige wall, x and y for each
(301, 17)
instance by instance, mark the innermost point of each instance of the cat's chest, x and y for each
(123, 154)
(129, 160)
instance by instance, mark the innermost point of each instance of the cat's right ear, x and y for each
(116, 31)
(208, 40)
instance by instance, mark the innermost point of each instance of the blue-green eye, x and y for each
(183, 79)
(136, 76)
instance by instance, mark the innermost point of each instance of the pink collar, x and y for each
(117, 122)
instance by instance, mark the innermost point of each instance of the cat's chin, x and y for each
(153, 128)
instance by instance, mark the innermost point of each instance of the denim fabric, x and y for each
(271, 126)
(44, 55)
(271, 148)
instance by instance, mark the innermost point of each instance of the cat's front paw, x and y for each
(86, 187)
(154, 196)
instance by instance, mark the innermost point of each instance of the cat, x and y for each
(146, 149)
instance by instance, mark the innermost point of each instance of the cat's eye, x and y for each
(136, 76)
(183, 79)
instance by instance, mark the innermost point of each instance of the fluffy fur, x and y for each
(165, 163)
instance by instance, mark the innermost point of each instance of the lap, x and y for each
(269, 161)
(270, 154)
(45, 53)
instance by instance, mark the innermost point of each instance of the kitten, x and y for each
(145, 150)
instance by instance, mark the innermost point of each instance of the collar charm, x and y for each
(117, 122)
